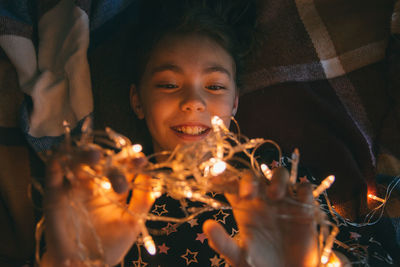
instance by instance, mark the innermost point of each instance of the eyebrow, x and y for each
(217, 68)
(167, 66)
(172, 67)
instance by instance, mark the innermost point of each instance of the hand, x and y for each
(275, 228)
(75, 208)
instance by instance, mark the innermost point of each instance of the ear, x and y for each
(135, 102)
(235, 105)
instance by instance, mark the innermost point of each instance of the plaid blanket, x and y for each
(325, 79)
(316, 48)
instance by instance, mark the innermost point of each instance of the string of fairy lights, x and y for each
(189, 172)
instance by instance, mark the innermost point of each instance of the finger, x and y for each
(55, 201)
(304, 193)
(54, 174)
(134, 165)
(118, 180)
(221, 242)
(226, 182)
(278, 187)
(89, 155)
(141, 200)
(248, 186)
(139, 161)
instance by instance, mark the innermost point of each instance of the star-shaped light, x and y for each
(193, 222)
(201, 237)
(220, 214)
(170, 228)
(215, 261)
(190, 256)
(163, 248)
(354, 235)
(139, 263)
(159, 209)
(303, 179)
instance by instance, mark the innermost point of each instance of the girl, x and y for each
(186, 70)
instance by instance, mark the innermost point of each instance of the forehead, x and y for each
(193, 51)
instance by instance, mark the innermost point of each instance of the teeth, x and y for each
(192, 130)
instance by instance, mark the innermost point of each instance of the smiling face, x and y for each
(187, 80)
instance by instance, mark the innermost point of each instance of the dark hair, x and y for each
(230, 23)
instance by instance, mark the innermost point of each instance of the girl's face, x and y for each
(187, 80)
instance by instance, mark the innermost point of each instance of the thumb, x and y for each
(221, 242)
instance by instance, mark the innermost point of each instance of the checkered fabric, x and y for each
(324, 78)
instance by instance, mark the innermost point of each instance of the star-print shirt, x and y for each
(180, 244)
(186, 244)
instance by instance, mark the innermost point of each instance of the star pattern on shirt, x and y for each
(201, 237)
(221, 216)
(193, 222)
(274, 164)
(139, 263)
(190, 256)
(234, 232)
(159, 209)
(215, 261)
(163, 249)
(213, 194)
(303, 179)
(170, 228)
(354, 235)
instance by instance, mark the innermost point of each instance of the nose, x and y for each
(193, 101)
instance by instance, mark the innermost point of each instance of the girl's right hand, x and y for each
(102, 221)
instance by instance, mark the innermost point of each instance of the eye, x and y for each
(215, 87)
(167, 86)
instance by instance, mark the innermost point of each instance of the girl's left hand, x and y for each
(276, 228)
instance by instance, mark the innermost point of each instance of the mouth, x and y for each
(191, 130)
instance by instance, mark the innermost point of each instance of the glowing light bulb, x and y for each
(334, 264)
(324, 259)
(149, 245)
(217, 121)
(121, 141)
(371, 196)
(333, 261)
(147, 239)
(215, 205)
(137, 148)
(105, 185)
(206, 171)
(327, 251)
(188, 193)
(218, 167)
(157, 191)
(326, 183)
(266, 171)
(156, 194)
(218, 124)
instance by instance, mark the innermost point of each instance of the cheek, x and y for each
(222, 108)
(157, 111)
